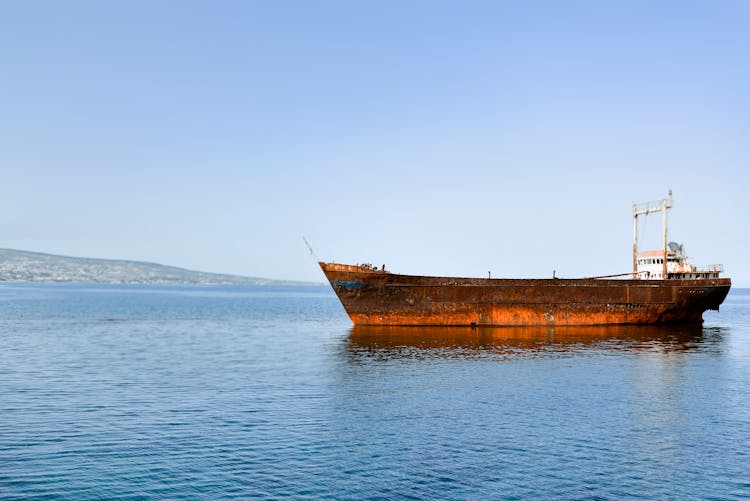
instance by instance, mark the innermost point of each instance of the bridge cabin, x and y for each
(650, 265)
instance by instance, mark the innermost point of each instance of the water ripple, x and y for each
(247, 392)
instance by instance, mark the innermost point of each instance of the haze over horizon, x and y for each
(444, 138)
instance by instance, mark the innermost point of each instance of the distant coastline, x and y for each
(27, 266)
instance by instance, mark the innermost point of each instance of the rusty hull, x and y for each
(377, 297)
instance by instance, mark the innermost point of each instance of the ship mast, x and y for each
(643, 210)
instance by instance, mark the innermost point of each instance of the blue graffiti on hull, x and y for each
(356, 284)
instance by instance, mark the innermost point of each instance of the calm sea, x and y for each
(222, 392)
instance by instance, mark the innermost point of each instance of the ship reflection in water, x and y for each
(389, 342)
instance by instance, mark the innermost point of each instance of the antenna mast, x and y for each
(309, 247)
(645, 209)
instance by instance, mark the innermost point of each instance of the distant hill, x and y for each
(25, 266)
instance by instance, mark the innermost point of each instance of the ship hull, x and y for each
(375, 297)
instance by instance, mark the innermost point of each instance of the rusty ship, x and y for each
(662, 288)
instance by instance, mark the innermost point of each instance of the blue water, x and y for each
(222, 392)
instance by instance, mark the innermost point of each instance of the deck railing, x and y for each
(710, 268)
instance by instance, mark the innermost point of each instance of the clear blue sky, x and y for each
(435, 137)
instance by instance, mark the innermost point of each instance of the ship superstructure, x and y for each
(669, 262)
